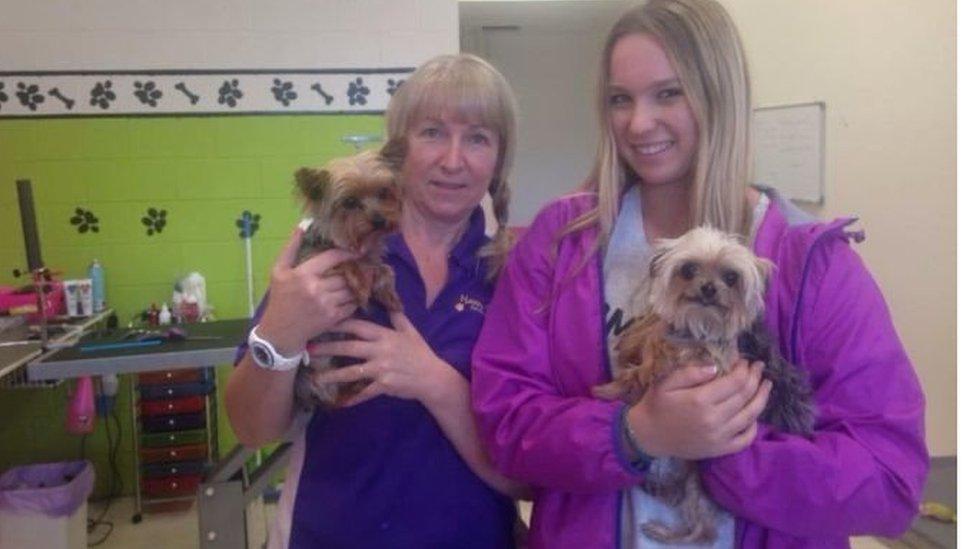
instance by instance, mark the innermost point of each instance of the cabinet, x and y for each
(174, 420)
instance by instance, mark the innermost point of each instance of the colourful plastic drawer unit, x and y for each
(173, 453)
(176, 468)
(156, 392)
(170, 377)
(184, 405)
(180, 438)
(184, 485)
(178, 422)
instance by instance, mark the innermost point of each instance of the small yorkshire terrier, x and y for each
(705, 306)
(354, 202)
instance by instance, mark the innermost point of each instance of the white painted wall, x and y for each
(886, 73)
(184, 34)
(551, 62)
(558, 126)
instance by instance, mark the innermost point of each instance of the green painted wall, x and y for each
(204, 172)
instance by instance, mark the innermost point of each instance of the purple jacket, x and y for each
(542, 348)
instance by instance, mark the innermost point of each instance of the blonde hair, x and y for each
(704, 48)
(467, 86)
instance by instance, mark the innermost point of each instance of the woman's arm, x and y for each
(259, 402)
(533, 430)
(399, 363)
(864, 468)
(301, 303)
(451, 407)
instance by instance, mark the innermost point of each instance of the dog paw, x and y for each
(608, 391)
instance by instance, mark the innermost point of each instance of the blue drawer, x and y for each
(156, 470)
(178, 422)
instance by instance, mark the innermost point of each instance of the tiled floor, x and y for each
(175, 530)
(169, 530)
(178, 530)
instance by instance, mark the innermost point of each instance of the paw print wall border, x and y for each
(197, 92)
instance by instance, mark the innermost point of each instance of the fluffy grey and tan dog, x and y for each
(353, 202)
(705, 306)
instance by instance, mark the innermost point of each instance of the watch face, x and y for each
(262, 355)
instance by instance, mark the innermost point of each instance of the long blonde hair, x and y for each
(704, 48)
(468, 86)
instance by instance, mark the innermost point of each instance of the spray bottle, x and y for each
(97, 276)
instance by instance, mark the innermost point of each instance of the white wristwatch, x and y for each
(267, 357)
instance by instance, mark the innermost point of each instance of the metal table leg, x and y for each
(223, 497)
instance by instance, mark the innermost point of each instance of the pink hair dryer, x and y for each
(80, 417)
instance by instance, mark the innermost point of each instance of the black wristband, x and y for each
(644, 460)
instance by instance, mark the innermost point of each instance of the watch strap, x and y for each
(267, 356)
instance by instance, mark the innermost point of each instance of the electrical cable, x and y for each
(115, 478)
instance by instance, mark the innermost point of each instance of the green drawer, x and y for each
(156, 440)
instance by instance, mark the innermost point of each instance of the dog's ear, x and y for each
(662, 247)
(312, 184)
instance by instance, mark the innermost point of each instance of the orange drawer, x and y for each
(173, 453)
(170, 486)
(170, 376)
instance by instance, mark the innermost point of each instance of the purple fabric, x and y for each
(51, 489)
(542, 349)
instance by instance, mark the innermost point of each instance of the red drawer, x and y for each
(170, 486)
(171, 376)
(183, 405)
(173, 453)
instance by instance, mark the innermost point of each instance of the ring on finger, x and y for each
(362, 371)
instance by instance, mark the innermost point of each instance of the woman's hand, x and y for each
(398, 362)
(302, 303)
(692, 414)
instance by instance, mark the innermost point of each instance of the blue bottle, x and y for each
(97, 276)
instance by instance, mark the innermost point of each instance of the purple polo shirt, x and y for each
(382, 474)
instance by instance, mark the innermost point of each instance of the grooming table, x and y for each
(169, 355)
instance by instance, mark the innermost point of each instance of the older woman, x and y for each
(400, 464)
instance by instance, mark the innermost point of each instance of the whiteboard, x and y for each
(789, 150)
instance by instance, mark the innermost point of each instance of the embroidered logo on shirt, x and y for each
(466, 302)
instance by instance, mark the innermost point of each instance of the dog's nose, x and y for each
(378, 221)
(707, 290)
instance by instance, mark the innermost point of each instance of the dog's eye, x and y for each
(383, 193)
(730, 278)
(688, 270)
(350, 203)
